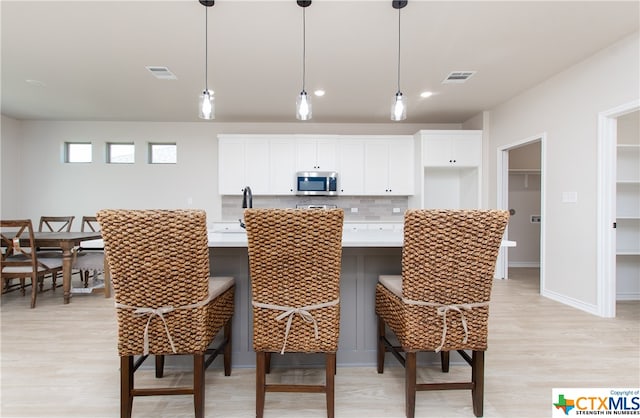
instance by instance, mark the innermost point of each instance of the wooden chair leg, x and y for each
(198, 384)
(410, 384)
(34, 291)
(260, 382)
(477, 377)
(267, 367)
(159, 365)
(444, 359)
(126, 386)
(381, 346)
(330, 372)
(227, 348)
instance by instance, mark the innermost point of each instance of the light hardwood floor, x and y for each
(61, 361)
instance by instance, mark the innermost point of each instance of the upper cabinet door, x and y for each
(231, 164)
(453, 148)
(389, 166)
(283, 166)
(401, 167)
(316, 154)
(351, 166)
(257, 165)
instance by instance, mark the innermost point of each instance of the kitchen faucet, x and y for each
(247, 202)
(247, 193)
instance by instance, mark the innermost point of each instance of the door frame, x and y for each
(503, 191)
(606, 206)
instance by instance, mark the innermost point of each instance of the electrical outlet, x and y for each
(396, 210)
(354, 210)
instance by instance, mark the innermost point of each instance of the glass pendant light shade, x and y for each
(398, 108)
(207, 105)
(303, 106)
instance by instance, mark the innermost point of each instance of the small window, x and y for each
(120, 153)
(77, 152)
(163, 154)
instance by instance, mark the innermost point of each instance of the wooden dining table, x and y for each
(67, 241)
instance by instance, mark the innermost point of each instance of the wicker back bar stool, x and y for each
(441, 301)
(165, 300)
(295, 260)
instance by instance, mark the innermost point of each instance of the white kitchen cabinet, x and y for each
(351, 166)
(388, 166)
(282, 157)
(317, 153)
(452, 148)
(451, 169)
(628, 222)
(242, 161)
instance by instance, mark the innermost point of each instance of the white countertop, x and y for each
(353, 235)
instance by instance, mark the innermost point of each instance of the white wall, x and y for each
(566, 107)
(52, 187)
(12, 168)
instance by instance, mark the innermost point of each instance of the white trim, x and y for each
(574, 303)
(503, 192)
(526, 264)
(628, 296)
(606, 208)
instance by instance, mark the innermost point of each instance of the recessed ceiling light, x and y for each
(319, 93)
(35, 83)
(426, 94)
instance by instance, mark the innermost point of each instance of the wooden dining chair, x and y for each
(20, 258)
(294, 261)
(166, 303)
(53, 224)
(89, 259)
(441, 301)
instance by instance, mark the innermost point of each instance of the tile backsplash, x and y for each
(356, 208)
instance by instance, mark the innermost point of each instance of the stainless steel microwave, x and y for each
(317, 183)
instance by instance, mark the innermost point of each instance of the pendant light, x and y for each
(206, 105)
(398, 106)
(303, 102)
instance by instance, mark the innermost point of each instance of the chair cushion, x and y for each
(218, 285)
(393, 283)
(89, 260)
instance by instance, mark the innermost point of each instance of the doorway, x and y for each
(521, 191)
(607, 196)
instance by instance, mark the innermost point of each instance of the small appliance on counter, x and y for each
(316, 183)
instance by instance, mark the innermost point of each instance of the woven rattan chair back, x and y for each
(157, 258)
(449, 256)
(295, 260)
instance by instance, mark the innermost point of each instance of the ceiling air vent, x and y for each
(161, 73)
(458, 77)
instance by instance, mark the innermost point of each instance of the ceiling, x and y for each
(87, 58)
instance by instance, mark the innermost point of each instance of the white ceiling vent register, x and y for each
(458, 77)
(161, 73)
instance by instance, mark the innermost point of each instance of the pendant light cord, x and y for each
(206, 49)
(399, 49)
(304, 46)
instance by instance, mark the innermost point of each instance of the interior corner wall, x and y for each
(566, 108)
(11, 168)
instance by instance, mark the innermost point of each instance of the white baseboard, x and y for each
(516, 264)
(574, 303)
(628, 296)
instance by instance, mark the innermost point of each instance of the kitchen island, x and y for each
(369, 250)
